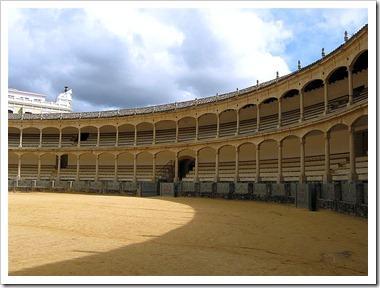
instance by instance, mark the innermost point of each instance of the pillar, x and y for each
(196, 128)
(135, 142)
(196, 167)
(117, 136)
(98, 138)
(237, 123)
(258, 164)
(327, 175)
(97, 167)
(154, 168)
(79, 137)
(18, 166)
(302, 161)
(135, 168)
(326, 96)
(58, 167)
(176, 168)
(301, 106)
(20, 144)
(40, 144)
(279, 159)
(350, 88)
(78, 158)
(154, 134)
(236, 164)
(352, 176)
(279, 112)
(60, 138)
(115, 163)
(176, 131)
(217, 165)
(217, 125)
(39, 168)
(258, 118)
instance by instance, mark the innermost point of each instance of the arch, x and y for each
(207, 125)
(125, 166)
(29, 165)
(227, 158)
(106, 170)
(312, 132)
(165, 165)
(227, 122)
(87, 166)
(360, 61)
(290, 158)
(248, 119)
(186, 163)
(312, 84)
(126, 135)
(144, 166)
(50, 137)
(165, 131)
(290, 107)
(268, 160)
(13, 136)
(247, 162)
(69, 136)
(30, 137)
(49, 165)
(107, 135)
(339, 152)
(69, 171)
(144, 133)
(359, 68)
(12, 164)
(268, 113)
(314, 155)
(88, 135)
(360, 129)
(186, 129)
(206, 164)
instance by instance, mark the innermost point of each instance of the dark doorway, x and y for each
(185, 165)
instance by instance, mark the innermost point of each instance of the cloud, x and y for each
(136, 57)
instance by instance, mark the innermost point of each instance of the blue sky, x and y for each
(137, 57)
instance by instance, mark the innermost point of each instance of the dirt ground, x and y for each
(76, 234)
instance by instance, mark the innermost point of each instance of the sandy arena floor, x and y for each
(73, 234)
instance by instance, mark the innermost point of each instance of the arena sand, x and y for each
(76, 234)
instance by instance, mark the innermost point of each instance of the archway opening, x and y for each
(186, 129)
(248, 119)
(313, 99)
(227, 123)
(290, 107)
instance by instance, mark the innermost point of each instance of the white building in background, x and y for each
(34, 103)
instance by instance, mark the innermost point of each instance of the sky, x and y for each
(124, 58)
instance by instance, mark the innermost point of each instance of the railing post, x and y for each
(19, 166)
(40, 144)
(60, 138)
(117, 137)
(79, 133)
(20, 144)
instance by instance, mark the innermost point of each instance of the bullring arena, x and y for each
(245, 168)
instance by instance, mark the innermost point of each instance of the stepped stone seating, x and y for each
(28, 171)
(50, 140)
(362, 168)
(186, 134)
(165, 136)
(90, 141)
(107, 139)
(126, 138)
(12, 171)
(125, 172)
(106, 172)
(69, 173)
(227, 129)
(87, 172)
(208, 131)
(13, 140)
(30, 140)
(361, 95)
(69, 140)
(144, 137)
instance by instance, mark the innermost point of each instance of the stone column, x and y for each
(196, 167)
(135, 168)
(327, 175)
(302, 161)
(40, 144)
(350, 84)
(20, 144)
(196, 129)
(279, 159)
(352, 176)
(154, 134)
(236, 164)
(217, 126)
(59, 167)
(326, 96)
(39, 167)
(117, 136)
(257, 163)
(78, 164)
(279, 112)
(258, 118)
(98, 138)
(154, 168)
(237, 123)
(18, 166)
(176, 131)
(60, 138)
(176, 168)
(97, 167)
(79, 136)
(217, 165)
(116, 167)
(301, 106)
(135, 142)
